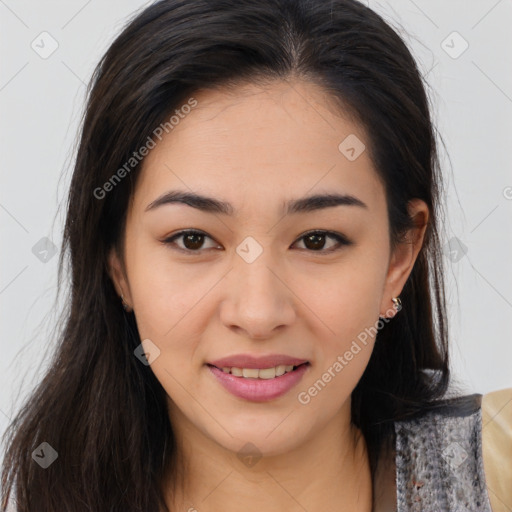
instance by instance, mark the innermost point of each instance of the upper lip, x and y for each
(250, 361)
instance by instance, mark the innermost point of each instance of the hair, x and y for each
(103, 411)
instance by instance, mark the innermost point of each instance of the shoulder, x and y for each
(497, 447)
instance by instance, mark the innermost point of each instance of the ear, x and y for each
(118, 276)
(404, 256)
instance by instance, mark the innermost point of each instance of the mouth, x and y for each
(274, 372)
(259, 384)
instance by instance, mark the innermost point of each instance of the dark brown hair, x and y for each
(102, 410)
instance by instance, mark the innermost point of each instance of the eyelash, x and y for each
(341, 239)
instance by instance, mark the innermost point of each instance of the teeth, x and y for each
(256, 373)
(281, 369)
(268, 373)
(237, 372)
(253, 373)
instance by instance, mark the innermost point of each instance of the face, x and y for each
(267, 271)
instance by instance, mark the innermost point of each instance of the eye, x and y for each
(192, 240)
(314, 241)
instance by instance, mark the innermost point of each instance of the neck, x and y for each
(329, 471)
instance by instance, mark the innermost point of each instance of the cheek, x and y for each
(346, 297)
(170, 309)
(349, 308)
(165, 291)
(347, 302)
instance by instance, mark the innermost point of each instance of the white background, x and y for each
(41, 102)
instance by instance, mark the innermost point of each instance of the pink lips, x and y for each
(258, 390)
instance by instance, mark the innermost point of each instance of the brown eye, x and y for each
(192, 241)
(316, 241)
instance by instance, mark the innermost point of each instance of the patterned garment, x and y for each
(439, 460)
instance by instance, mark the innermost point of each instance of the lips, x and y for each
(260, 362)
(258, 389)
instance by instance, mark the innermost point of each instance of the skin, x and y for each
(256, 147)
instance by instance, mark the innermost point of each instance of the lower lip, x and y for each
(259, 390)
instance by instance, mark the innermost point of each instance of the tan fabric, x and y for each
(497, 447)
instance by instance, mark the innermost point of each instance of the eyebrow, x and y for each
(294, 206)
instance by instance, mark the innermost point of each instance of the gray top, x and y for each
(438, 462)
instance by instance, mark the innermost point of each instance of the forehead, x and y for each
(284, 139)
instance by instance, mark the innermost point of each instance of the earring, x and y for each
(125, 306)
(397, 303)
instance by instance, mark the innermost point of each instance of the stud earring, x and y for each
(397, 303)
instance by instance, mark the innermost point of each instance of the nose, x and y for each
(257, 300)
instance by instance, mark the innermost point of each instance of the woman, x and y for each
(257, 316)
